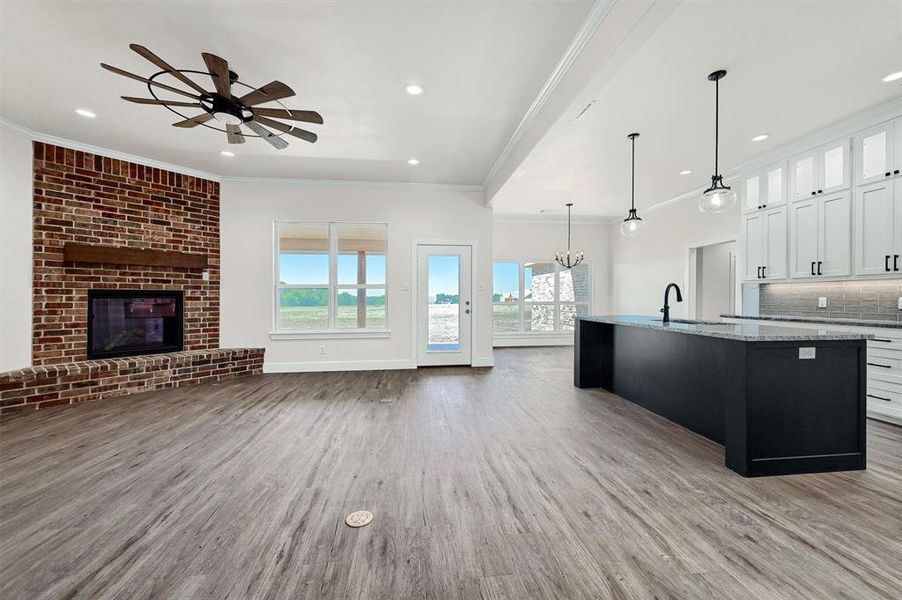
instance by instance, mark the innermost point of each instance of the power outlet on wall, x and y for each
(900, 302)
(822, 302)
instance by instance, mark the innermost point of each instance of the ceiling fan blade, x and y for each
(273, 140)
(234, 134)
(307, 116)
(219, 71)
(156, 102)
(307, 136)
(166, 67)
(275, 90)
(194, 121)
(119, 71)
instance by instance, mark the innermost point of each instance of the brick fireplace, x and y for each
(106, 224)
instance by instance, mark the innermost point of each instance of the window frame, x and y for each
(560, 328)
(333, 287)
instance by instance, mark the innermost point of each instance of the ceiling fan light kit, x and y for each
(220, 105)
(718, 197)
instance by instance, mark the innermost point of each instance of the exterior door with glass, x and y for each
(444, 305)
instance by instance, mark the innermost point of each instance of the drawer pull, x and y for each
(880, 398)
(884, 340)
(879, 365)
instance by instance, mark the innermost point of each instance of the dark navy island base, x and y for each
(780, 400)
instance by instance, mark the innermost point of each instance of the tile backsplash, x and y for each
(870, 299)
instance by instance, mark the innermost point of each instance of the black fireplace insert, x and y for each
(133, 322)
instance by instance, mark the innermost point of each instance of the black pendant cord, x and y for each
(569, 206)
(716, 123)
(633, 191)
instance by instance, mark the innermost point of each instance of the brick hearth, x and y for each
(70, 383)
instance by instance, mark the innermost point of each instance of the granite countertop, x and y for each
(819, 320)
(746, 332)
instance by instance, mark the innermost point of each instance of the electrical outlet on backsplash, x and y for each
(863, 299)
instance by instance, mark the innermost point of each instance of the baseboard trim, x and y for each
(483, 361)
(337, 365)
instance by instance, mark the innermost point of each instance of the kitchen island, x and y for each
(781, 400)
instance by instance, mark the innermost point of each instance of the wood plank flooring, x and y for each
(485, 483)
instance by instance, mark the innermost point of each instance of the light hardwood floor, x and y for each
(493, 483)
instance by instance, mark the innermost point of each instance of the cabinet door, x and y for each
(896, 156)
(897, 219)
(833, 167)
(875, 228)
(775, 192)
(753, 244)
(835, 235)
(803, 177)
(751, 191)
(874, 148)
(775, 243)
(803, 236)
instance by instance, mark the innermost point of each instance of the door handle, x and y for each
(819, 263)
(879, 365)
(467, 303)
(759, 272)
(895, 262)
(812, 268)
(886, 263)
(763, 272)
(880, 398)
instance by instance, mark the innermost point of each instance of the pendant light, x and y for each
(633, 223)
(718, 197)
(563, 258)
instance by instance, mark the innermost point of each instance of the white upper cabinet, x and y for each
(764, 189)
(821, 237)
(835, 235)
(822, 171)
(878, 151)
(878, 228)
(774, 244)
(753, 245)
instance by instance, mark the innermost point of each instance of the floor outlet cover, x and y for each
(359, 518)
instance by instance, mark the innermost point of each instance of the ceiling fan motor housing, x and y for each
(226, 110)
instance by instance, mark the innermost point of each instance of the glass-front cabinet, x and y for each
(879, 152)
(763, 189)
(823, 170)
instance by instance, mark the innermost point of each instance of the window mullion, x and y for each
(521, 301)
(333, 277)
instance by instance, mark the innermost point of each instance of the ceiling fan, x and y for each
(221, 105)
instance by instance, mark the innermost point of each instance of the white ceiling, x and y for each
(794, 67)
(482, 64)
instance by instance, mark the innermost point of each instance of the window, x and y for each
(538, 297)
(331, 277)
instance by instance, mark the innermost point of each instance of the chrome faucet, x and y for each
(679, 298)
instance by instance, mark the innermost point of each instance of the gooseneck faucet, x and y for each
(679, 298)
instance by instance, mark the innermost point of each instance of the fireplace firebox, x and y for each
(133, 322)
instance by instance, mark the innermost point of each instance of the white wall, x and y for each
(412, 212)
(15, 250)
(528, 241)
(642, 266)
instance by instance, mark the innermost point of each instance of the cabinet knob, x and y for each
(888, 174)
(820, 191)
(814, 193)
(896, 172)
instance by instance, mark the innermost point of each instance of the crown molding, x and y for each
(842, 128)
(38, 136)
(590, 24)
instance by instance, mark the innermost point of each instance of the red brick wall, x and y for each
(27, 390)
(87, 198)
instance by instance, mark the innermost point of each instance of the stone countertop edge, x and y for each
(743, 332)
(817, 320)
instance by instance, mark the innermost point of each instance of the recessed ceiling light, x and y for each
(414, 89)
(412, 161)
(226, 153)
(761, 137)
(85, 113)
(893, 77)
(686, 172)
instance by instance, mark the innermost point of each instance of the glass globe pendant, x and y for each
(633, 223)
(718, 197)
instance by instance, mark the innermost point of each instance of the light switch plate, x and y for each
(900, 302)
(822, 302)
